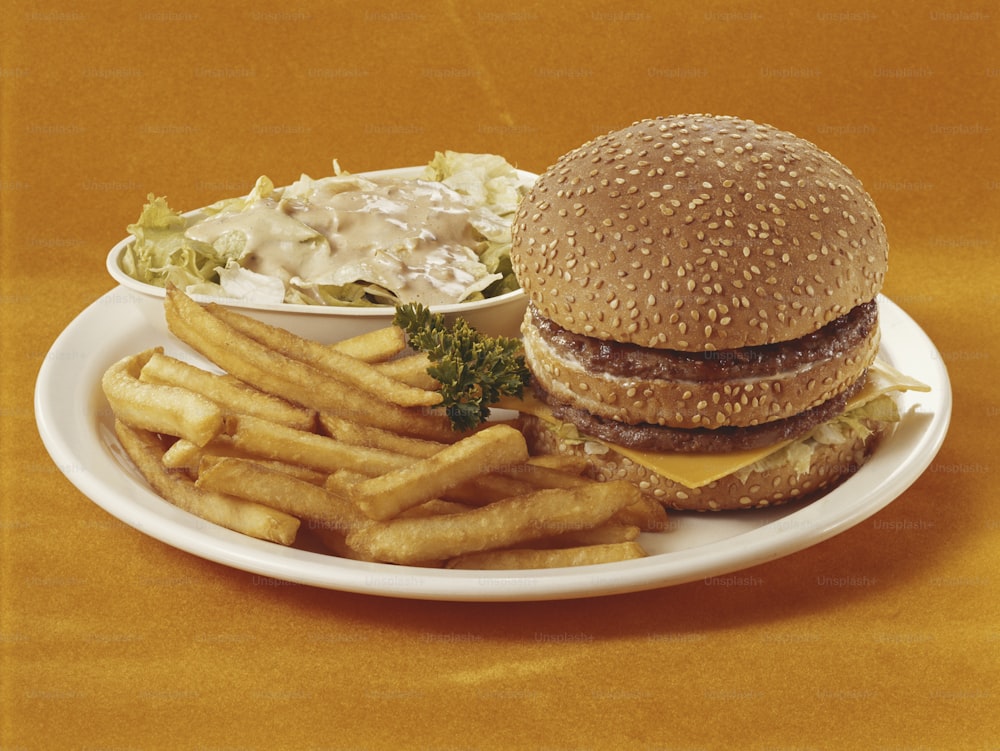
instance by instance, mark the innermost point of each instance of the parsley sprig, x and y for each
(474, 369)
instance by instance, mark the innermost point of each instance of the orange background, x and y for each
(111, 640)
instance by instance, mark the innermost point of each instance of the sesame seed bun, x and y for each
(695, 278)
(698, 233)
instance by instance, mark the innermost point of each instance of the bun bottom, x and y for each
(759, 488)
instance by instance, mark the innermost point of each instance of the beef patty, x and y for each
(647, 437)
(631, 360)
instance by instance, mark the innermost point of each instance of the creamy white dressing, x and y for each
(273, 243)
(410, 237)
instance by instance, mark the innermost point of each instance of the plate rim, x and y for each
(802, 527)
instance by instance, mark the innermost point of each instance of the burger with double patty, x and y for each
(704, 289)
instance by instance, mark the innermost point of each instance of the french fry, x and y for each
(478, 491)
(407, 421)
(387, 495)
(608, 533)
(571, 463)
(646, 513)
(540, 476)
(161, 409)
(228, 392)
(183, 454)
(435, 507)
(256, 437)
(375, 346)
(504, 524)
(529, 558)
(512, 480)
(360, 434)
(328, 360)
(253, 519)
(342, 480)
(486, 488)
(245, 478)
(299, 472)
(411, 369)
(334, 540)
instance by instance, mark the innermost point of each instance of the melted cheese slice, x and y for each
(697, 469)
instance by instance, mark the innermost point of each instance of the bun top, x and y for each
(696, 233)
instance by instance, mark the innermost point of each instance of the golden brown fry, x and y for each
(245, 478)
(434, 507)
(183, 454)
(606, 534)
(488, 488)
(571, 463)
(539, 476)
(374, 346)
(261, 438)
(299, 472)
(228, 392)
(646, 513)
(387, 495)
(161, 409)
(327, 360)
(510, 479)
(411, 369)
(529, 558)
(342, 480)
(478, 491)
(503, 524)
(360, 434)
(253, 519)
(407, 421)
(334, 540)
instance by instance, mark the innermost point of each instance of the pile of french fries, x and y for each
(344, 441)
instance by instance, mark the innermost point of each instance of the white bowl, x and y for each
(499, 315)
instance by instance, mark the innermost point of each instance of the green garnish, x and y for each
(474, 369)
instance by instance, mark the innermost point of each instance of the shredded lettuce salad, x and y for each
(844, 428)
(169, 247)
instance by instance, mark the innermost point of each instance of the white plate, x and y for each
(76, 426)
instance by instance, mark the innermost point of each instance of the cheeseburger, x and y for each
(703, 296)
